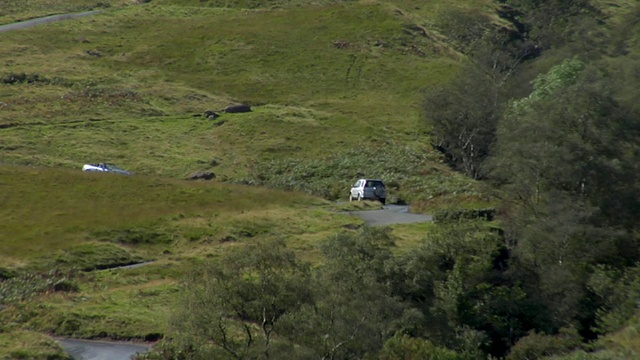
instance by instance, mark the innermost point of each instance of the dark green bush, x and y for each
(18, 78)
(538, 346)
(464, 214)
(6, 273)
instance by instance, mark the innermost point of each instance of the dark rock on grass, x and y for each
(212, 115)
(242, 108)
(202, 175)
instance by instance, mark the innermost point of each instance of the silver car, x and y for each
(369, 189)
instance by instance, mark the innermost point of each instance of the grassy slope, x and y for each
(134, 104)
(158, 65)
(67, 220)
(161, 64)
(151, 53)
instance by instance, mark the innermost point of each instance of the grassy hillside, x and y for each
(335, 88)
(348, 77)
(335, 92)
(59, 227)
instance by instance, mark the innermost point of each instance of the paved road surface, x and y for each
(44, 20)
(99, 350)
(391, 214)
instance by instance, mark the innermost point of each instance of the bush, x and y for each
(6, 273)
(402, 347)
(464, 214)
(538, 346)
(19, 78)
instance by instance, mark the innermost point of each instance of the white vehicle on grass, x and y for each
(105, 167)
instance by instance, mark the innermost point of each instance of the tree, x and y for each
(458, 278)
(464, 113)
(463, 119)
(555, 23)
(235, 304)
(353, 313)
(565, 158)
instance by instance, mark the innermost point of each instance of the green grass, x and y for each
(58, 224)
(49, 209)
(30, 345)
(160, 65)
(332, 86)
(20, 10)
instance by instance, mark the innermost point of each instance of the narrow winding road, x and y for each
(45, 20)
(100, 350)
(391, 214)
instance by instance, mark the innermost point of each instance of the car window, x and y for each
(374, 183)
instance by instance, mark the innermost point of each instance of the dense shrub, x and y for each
(6, 273)
(538, 346)
(464, 214)
(17, 78)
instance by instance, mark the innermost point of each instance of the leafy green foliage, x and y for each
(463, 214)
(618, 291)
(354, 312)
(401, 347)
(260, 300)
(458, 278)
(236, 304)
(539, 346)
(464, 113)
(556, 23)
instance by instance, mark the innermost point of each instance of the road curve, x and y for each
(45, 20)
(389, 215)
(100, 350)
